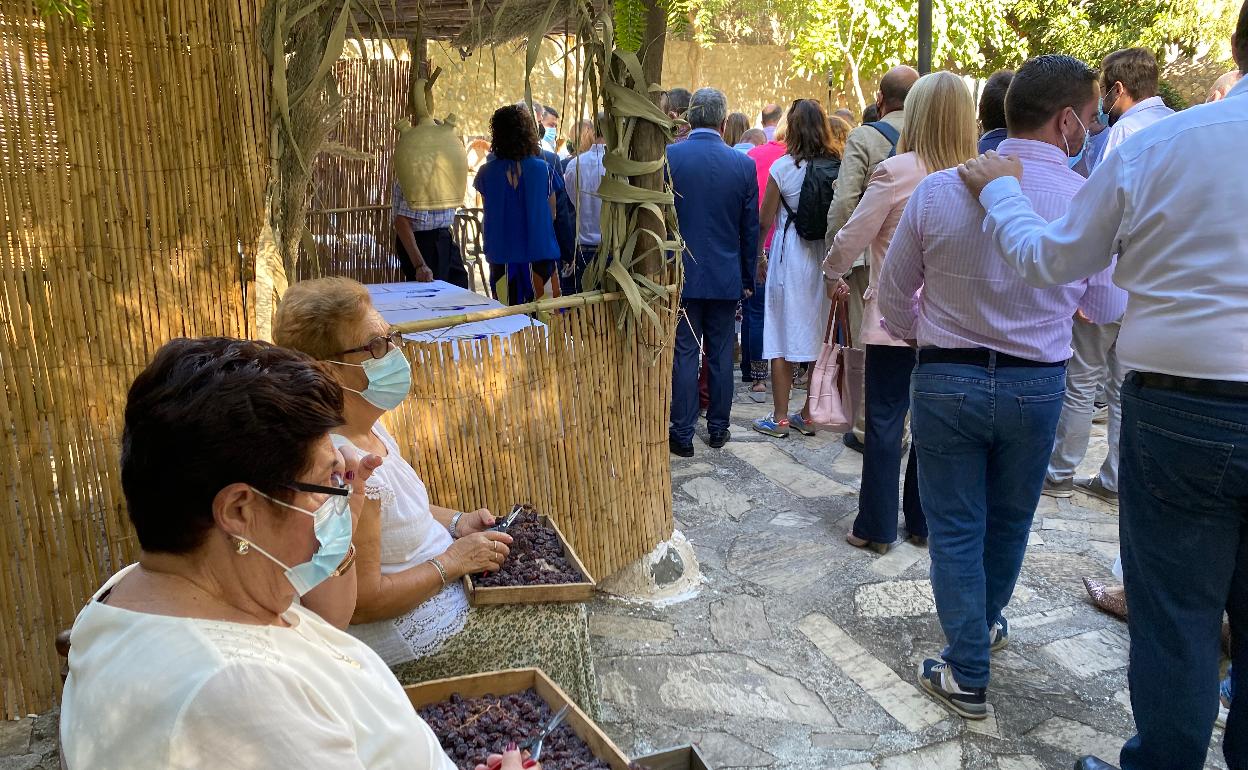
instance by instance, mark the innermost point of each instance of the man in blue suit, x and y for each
(717, 206)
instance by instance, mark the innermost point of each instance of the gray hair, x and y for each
(707, 109)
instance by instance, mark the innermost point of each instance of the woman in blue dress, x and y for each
(519, 199)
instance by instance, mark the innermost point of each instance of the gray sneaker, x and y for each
(1063, 489)
(937, 679)
(1095, 488)
(998, 636)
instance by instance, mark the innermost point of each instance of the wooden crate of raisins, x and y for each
(680, 758)
(539, 553)
(474, 716)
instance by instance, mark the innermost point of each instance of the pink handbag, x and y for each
(829, 401)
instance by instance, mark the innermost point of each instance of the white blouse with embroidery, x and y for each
(155, 691)
(410, 536)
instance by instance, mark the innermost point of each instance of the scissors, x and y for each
(534, 744)
(506, 523)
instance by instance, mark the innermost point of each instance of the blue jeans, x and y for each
(708, 324)
(754, 367)
(984, 436)
(888, 401)
(1184, 507)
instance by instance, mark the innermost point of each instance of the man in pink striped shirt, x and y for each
(988, 389)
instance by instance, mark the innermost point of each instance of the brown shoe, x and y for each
(1111, 599)
(857, 542)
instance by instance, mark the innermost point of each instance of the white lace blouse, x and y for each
(410, 536)
(155, 691)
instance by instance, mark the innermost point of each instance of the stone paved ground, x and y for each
(800, 651)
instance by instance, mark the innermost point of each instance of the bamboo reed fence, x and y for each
(350, 219)
(134, 159)
(136, 164)
(571, 417)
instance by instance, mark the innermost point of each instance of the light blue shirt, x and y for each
(1178, 230)
(582, 177)
(1140, 116)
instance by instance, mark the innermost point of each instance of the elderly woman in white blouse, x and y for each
(199, 654)
(412, 608)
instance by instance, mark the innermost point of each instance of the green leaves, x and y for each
(77, 11)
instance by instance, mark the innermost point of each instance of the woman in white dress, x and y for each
(796, 302)
(198, 655)
(412, 608)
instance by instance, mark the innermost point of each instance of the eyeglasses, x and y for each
(340, 487)
(377, 347)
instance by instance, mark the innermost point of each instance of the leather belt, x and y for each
(1193, 385)
(979, 357)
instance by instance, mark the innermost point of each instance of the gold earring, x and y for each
(242, 546)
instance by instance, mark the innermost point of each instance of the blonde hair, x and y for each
(940, 122)
(840, 133)
(317, 316)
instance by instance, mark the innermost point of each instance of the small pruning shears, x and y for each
(505, 524)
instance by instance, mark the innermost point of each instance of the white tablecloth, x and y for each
(404, 302)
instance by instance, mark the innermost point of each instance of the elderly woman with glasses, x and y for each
(199, 655)
(411, 605)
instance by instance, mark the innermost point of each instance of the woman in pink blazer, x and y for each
(939, 133)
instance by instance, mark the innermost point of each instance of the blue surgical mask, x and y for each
(333, 532)
(1082, 147)
(551, 134)
(389, 380)
(1102, 117)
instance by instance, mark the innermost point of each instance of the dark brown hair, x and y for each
(513, 135)
(1135, 68)
(211, 412)
(809, 134)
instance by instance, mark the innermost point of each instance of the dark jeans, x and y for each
(573, 284)
(1184, 519)
(984, 435)
(888, 400)
(440, 253)
(753, 367)
(710, 323)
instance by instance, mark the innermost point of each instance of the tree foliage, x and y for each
(1089, 30)
(849, 40)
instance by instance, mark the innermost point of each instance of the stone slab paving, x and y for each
(800, 651)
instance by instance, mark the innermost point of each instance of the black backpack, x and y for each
(811, 217)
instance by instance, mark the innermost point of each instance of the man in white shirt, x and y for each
(1178, 230)
(583, 176)
(1129, 81)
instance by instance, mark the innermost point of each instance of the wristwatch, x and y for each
(455, 524)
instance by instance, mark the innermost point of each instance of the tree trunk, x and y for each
(695, 50)
(855, 82)
(648, 141)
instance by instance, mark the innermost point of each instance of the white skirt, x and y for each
(797, 304)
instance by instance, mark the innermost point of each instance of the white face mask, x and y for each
(1083, 145)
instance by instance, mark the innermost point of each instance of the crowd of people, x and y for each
(292, 563)
(1080, 260)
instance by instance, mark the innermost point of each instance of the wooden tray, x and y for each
(519, 680)
(679, 758)
(539, 594)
